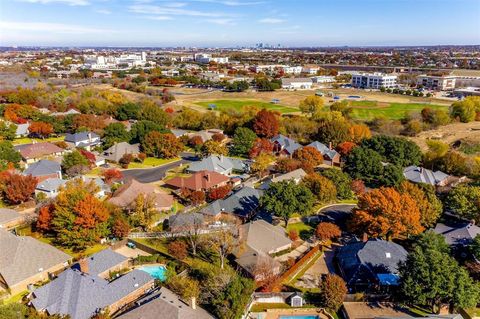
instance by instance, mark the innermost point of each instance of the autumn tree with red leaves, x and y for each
(345, 148)
(308, 155)
(40, 129)
(266, 124)
(219, 192)
(386, 213)
(197, 197)
(327, 231)
(89, 156)
(358, 187)
(285, 165)
(261, 146)
(121, 228)
(17, 188)
(45, 216)
(112, 175)
(178, 249)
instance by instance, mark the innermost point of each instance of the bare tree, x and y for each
(266, 271)
(192, 231)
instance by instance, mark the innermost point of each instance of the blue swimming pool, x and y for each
(299, 317)
(157, 272)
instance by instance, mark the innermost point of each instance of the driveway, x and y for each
(337, 214)
(155, 174)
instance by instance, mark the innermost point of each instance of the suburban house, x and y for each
(103, 263)
(22, 130)
(370, 264)
(285, 146)
(10, 218)
(178, 133)
(297, 83)
(199, 181)
(242, 204)
(81, 295)
(458, 235)
(220, 164)
(44, 169)
(417, 174)
(330, 155)
(36, 151)
(205, 135)
(69, 112)
(25, 260)
(296, 176)
(168, 304)
(50, 187)
(183, 221)
(115, 153)
(126, 195)
(262, 240)
(85, 140)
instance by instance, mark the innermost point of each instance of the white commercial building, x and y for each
(373, 80)
(206, 58)
(297, 83)
(440, 83)
(323, 79)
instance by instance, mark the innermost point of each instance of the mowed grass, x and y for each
(223, 105)
(367, 110)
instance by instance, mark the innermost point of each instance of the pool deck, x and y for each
(276, 313)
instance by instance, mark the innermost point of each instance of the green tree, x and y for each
(392, 175)
(430, 276)
(395, 150)
(323, 188)
(311, 104)
(475, 247)
(333, 131)
(7, 131)
(285, 198)
(142, 128)
(128, 111)
(8, 153)
(464, 200)
(342, 182)
(114, 133)
(243, 140)
(465, 110)
(365, 164)
(152, 112)
(75, 158)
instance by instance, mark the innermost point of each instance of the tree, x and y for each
(261, 164)
(214, 148)
(192, 231)
(261, 146)
(265, 272)
(45, 216)
(196, 143)
(359, 132)
(285, 165)
(125, 160)
(40, 129)
(72, 159)
(358, 187)
(341, 181)
(395, 150)
(392, 176)
(90, 212)
(152, 112)
(327, 231)
(465, 110)
(475, 247)
(112, 175)
(143, 211)
(141, 128)
(293, 234)
(218, 137)
(266, 124)
(464, 200)
(127, 111)
(8, 153)
(333, 131)
(243, 141)
(185, 287)
(308, 155)
(115, 133)
(345, 148)
(178, 249)
(120, 228)
(427, 202)
(224, 243)
(161, 145)
(285, 198)
(365, 164)
(321, 187)
(311, 105)
(17, 188)
(197, 197)
(219, 192)
(332, 292)
(430, 276)
(7, 131)
(386, 213)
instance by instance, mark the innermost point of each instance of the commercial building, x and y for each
(297, 83)
(373, 80)
(439, 83)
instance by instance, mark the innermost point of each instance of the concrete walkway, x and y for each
(300, 250)
(322, 266)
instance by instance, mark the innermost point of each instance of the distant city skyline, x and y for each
(230, 23)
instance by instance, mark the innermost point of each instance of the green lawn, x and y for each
(239, 104)
(27, 140)
(152, 162)
(304, 230)
(366, 110)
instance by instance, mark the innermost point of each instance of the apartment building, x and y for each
(439, 83)
(373, 80)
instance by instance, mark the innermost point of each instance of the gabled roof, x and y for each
(22, 257)
(8, 215)
(166, 305)
(50, 184)
(199, 180)
(125, 196)
(286, 143)
(80, 137)
(22, 129)
(219, 164)
(241, 203)
(81, 295)
(37, 149)
(185, 219)
(115, 152)
(42, 168)
(102, 261)
(324, 150)
(459, 233)
(297, 174)
(418, 174)
(365, 260)
(264, 237)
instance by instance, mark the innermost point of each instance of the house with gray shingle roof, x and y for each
(50, 187)
(367, 264)
(85, 140)
(283, 145)
(103, 263)
(82, 295)
(242, 204)
(168, 304)
(10, 218)
(44, 169)
(416, 174)
(458, 235)
(36, 151)
(330, 155)
(22, 130)
(295, 175)
(25, 260)
(220, 164)
(116, 151)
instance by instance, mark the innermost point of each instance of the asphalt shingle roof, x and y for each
(264, 237)
(80, 136)
(422, 175)
(7, 215)
(116, 152)
(324, 149)
(220, 164)
(241, 203)
(50, 184)
(286, 143)
(103, 261)
(42, 168)
(37, 149)
(458, 234)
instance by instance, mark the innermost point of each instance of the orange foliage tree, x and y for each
(261, 146)
(266, 124)
(358, 132)
(345, 148)
(111, 175)
(327, 231)
(41, 129)
(386, 213)
(219, 192)
(309, 155)
(17, 188)
(90, 212)
(45, 216)
(178, 249)
(285, 165)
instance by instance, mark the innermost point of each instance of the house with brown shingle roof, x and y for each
(126, 195)
(34, 152)
(200, 181)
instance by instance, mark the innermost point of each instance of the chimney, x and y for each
(193, 303)
(83, 263)
(365, 237)
(330, 146)
(89, 136)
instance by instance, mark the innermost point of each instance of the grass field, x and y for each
(239, 104)
(152, 162)
(27, 140)
(366, 110)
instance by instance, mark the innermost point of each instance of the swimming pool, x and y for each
(299, 317)
(157, 272)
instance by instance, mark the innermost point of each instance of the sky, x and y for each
(232, 23)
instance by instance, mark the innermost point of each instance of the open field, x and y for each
(223, 105)
(365, 110)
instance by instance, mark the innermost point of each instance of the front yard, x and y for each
(150, 162)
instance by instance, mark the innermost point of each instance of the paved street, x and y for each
(337, 214)
(150, 175)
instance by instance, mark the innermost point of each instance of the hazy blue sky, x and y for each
(239, 22)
